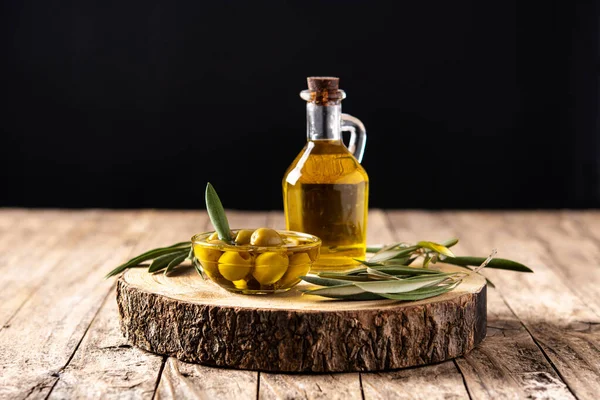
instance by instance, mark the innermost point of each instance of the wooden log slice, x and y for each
(199, 322)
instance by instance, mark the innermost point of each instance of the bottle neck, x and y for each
(323, 122)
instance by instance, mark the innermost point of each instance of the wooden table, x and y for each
(60, 337)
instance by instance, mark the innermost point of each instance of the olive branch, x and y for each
(390, 273)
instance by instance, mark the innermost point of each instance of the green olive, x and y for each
(208, 258)
(299, 266)
(290, 241)
(216, 241)
(243, 236)
(215, 236)
(266, 237)
(270, 267)
(235, 265)
(241, 284)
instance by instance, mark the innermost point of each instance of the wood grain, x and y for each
(46, 331)
(340, 386)
(567, 248)
(508, 363)
(59, 334)
(440, 381)
(104, 365)
(560, 321)
(588, 221)
(41, 240)
(16, 229)
(182, 380)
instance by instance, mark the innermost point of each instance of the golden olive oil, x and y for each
(325, 194)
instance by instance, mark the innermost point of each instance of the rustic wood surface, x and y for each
(60, 336)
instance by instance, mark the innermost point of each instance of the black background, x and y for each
(488, 105)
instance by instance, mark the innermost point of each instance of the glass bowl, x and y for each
(250, 269)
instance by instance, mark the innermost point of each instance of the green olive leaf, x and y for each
(409, 261)
(378, 274)
(175, 262)
(450, 242)
(339, 290)
(161, 262)
(374, 248)
(216, 212)
(342, 276)
(405, 270)
(378, 247)
(398, 260)
(385, 255)
(419, 294)
(368, 263)
(198, 267)
(354, 297)
(497, 263)
(317, 280)
(149, 255)
(438, 248)
(402, 285)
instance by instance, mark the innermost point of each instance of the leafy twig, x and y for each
(388, 274)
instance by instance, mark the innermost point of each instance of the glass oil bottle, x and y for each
(326, 189)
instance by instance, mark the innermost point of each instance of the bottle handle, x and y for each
(358, 135)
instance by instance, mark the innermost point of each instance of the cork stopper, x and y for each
(321, 83)
(325, 90)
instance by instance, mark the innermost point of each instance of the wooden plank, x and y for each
(181, 380)
(48, 328)
(322, 386)
(8, 217)
(22, 232)
(570, 250)
(439, 381)
(562, 324)
(588, 221)
(11, 223)
(508, 364)
(105, 365)
(13, 217)
(40, 246)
